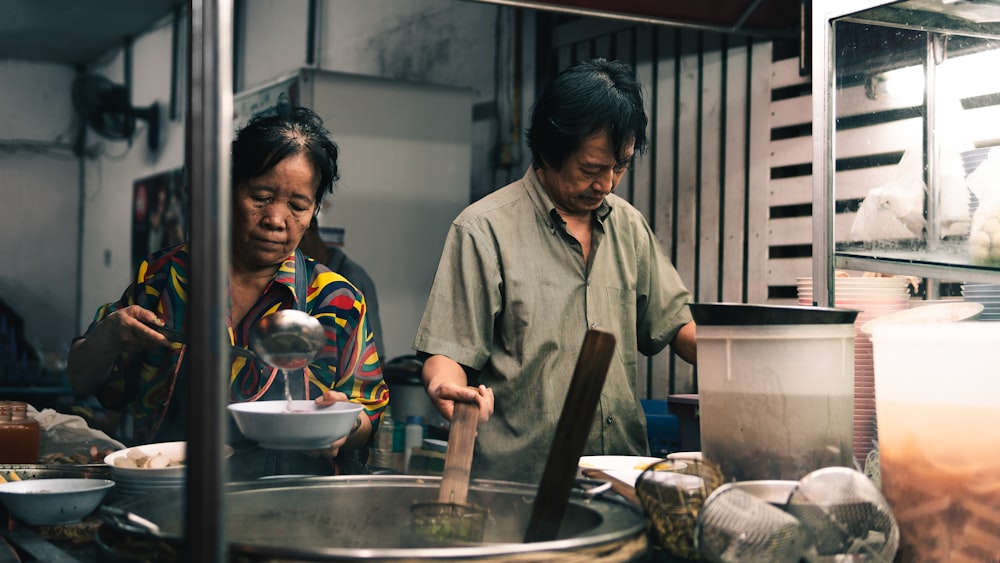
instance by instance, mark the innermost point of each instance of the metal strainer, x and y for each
(672, 495)
(736, 526)
(831, 515)
(844, 513)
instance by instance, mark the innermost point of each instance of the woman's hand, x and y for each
(358, 435)
(125, 330)
(134, 328)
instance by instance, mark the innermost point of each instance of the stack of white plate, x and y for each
(873, 297)
(988, 295)
(130, 480)
(131, 486)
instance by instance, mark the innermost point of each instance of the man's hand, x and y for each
(445, 382)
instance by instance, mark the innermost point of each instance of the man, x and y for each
(527, 270)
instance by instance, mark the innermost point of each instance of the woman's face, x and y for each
(272, 211)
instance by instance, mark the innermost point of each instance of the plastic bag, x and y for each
(69, 439)
(894, 211)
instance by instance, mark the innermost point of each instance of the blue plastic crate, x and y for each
(662, 428)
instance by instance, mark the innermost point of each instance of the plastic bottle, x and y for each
(414, 438)
(382, 455)
(20, 435)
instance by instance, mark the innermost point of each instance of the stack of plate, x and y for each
(988, 295)
(130, 480)
(872, 297)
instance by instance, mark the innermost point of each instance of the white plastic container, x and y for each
(776, 400)
(937, 392)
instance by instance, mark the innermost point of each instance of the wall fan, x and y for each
(107, 109)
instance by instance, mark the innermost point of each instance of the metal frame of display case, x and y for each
(931, 263)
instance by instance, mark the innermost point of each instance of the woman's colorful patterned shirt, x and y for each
(148, 382)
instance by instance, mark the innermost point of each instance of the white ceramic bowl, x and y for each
(625, 468)
(304, 427)
(53, 502)
(685, 456)
(938, 313)
(176, 451)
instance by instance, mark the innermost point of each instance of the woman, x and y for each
(132, 355)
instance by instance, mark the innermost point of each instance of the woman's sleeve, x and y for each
(348, 361)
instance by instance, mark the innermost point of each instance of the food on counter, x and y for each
(141, 460)
(944, 494)
(984, 238)
(94, 455)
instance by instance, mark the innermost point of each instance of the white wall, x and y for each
(438, 41)
(39, 188)
(107, 241)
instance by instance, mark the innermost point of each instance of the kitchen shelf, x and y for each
(942, 265)
(861, 127)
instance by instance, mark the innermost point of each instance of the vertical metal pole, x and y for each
(208, 145)
(823, 170)
(932, 231)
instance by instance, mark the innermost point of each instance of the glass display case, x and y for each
(906, 115)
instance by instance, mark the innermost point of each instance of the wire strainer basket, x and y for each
(735, 526)
(672, 496)
(844, 513)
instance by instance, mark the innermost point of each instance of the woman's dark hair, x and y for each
(587, 98)
(279, 132)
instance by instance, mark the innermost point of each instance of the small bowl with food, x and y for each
(53, 502)
(295, 425)
(150, 462)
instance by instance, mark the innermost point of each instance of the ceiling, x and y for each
(74, 32)
(766, 18)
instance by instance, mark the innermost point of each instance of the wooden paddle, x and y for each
(458, 457)
(451, 520)
(574, 424)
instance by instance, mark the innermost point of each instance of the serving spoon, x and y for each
(287, 339)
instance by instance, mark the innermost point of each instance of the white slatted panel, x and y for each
(735, 172)
(664, 198)
(757, 266)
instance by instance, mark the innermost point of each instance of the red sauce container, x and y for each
(20, 435)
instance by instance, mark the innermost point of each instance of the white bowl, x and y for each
(304, 427)
(685, 456)
(938, 313)
(53, 502)
(626, 468)
(176, 451)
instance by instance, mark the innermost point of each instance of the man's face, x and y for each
(587, 176)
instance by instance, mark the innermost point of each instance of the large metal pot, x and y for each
(366, 518)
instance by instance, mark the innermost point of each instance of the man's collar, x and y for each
(544, 203)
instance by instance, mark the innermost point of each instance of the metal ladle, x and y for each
(287, 339)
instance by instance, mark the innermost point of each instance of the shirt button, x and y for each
(610, 420)
(593, 325)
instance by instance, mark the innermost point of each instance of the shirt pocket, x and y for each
(620, 319)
